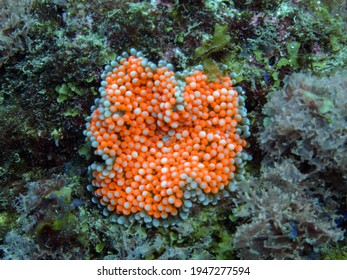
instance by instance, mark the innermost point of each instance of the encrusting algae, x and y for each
(167, 141)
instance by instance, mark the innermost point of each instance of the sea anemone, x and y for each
(167, 141)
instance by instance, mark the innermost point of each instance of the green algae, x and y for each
(219, 40)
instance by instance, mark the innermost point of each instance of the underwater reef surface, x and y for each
(279, 193)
